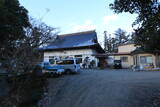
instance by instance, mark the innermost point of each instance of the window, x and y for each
(65, 62)
(124, 59)
(143, 59)
(146, 59)
(149, 59)
(78, 60)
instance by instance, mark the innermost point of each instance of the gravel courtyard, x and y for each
(105, 88)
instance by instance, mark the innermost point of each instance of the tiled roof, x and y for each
(74, 40)
(140, 50)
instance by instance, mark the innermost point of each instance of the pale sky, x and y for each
(79, 15)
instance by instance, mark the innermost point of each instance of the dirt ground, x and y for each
(105, 88)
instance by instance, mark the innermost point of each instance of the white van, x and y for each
(70, 65)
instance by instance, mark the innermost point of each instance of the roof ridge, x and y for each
(77, 33)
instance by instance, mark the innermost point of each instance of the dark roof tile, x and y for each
(73, 40)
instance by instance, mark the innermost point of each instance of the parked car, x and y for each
(117, 64)
(44, 65)
(70, 65)
(52, 69)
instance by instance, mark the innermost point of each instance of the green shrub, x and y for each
(26, 90)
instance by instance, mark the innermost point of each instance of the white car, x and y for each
(70, 65)
(52, 69)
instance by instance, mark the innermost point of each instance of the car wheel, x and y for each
(51, 74)
(68, 71)
(59, 74)
(74, 72)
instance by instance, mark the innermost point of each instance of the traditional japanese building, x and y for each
(82, 45)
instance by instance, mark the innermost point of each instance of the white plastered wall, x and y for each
(83, 52)
(126, 48)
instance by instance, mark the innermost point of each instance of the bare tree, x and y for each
(24, 57)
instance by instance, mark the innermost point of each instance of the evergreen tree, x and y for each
(148, 32)
(111, 43)
(20, 39)
(13, 21)
(121, 36)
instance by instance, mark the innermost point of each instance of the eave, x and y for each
(96, 47)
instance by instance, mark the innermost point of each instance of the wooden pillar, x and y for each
(156, 60)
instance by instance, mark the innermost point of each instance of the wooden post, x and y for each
(156, 60)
